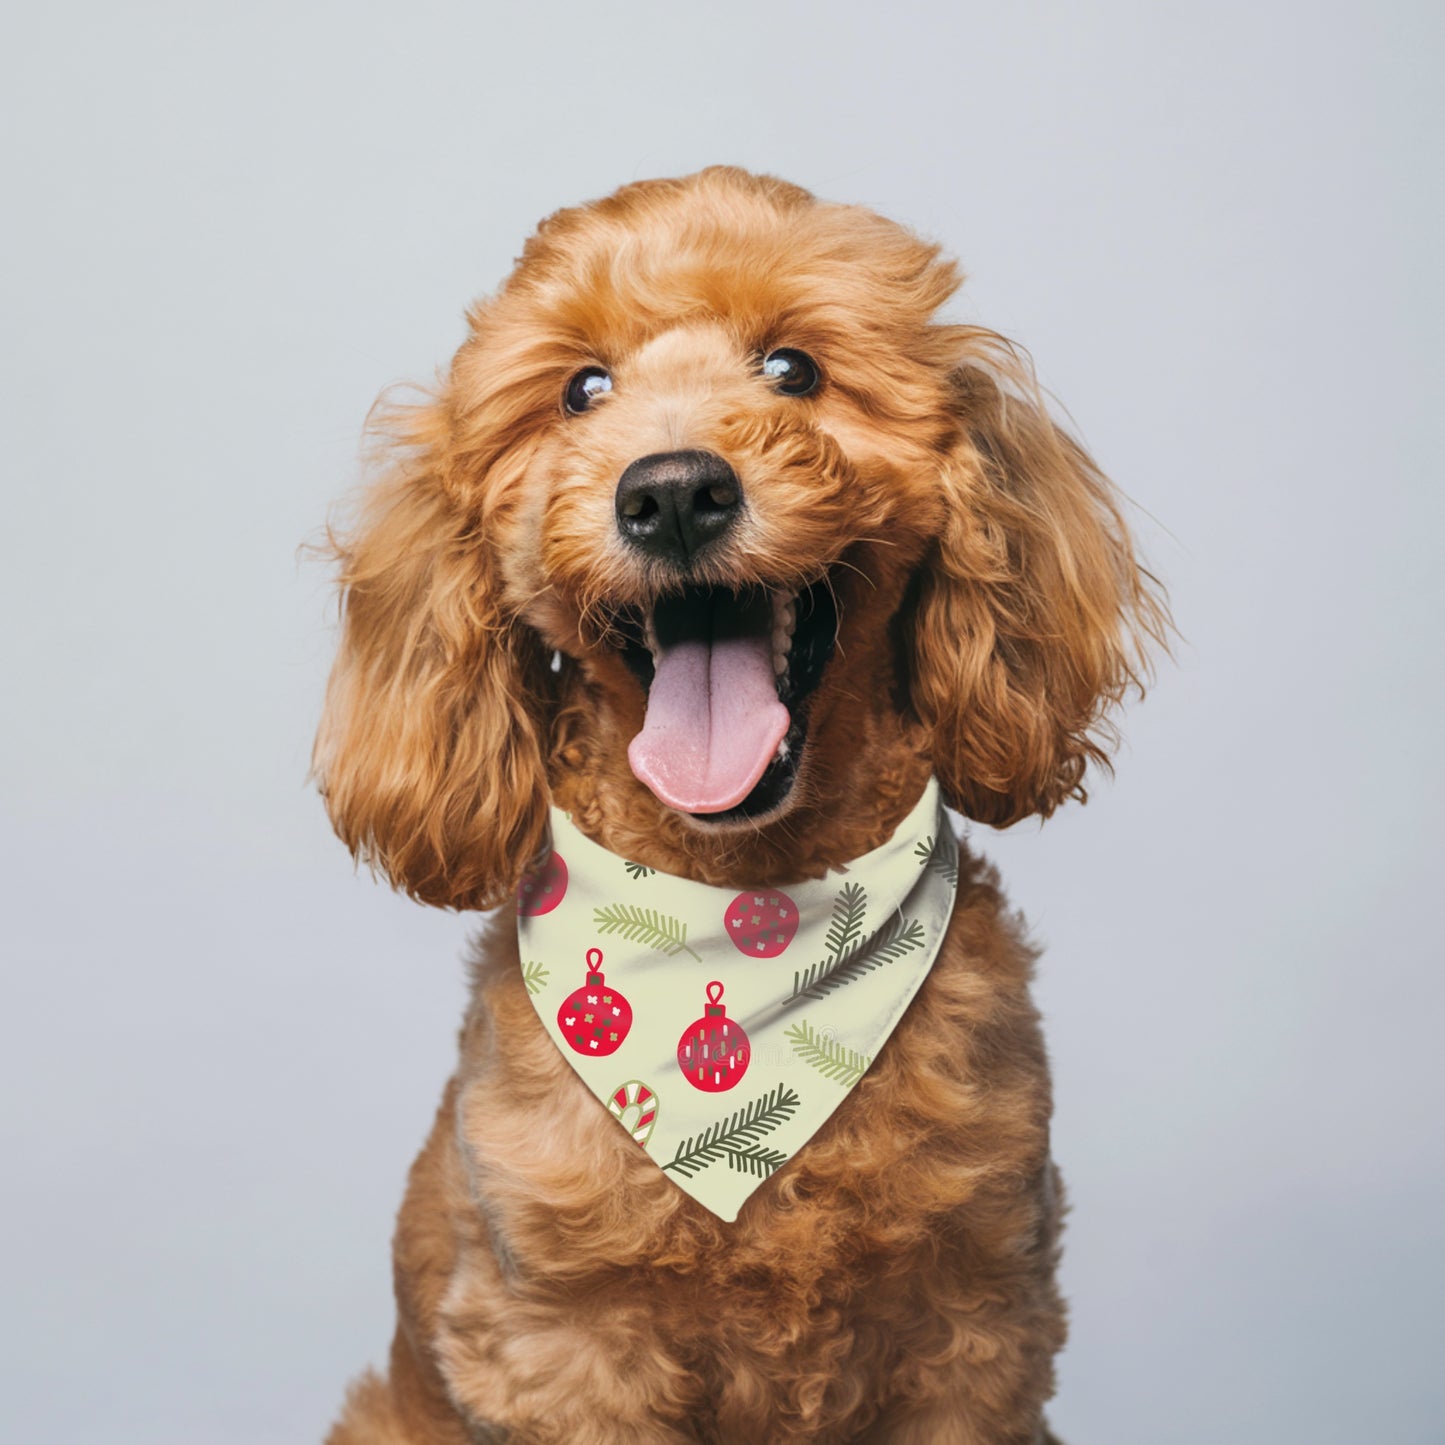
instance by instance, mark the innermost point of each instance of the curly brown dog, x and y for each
(963, 600)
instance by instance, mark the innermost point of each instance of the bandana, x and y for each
(721, 1028)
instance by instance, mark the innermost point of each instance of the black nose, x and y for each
(672, 504)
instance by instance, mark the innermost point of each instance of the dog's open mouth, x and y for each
(729, 675)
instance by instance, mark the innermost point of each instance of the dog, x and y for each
(692, 393)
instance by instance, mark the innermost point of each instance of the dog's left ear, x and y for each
(1032, 614)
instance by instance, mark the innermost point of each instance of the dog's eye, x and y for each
(584, 388)
(795, 373)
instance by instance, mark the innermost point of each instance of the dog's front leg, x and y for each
(580, 1434)
(569, 1419)
(996, 1398)
(993, 1387)
(944, 1425)
(528, 1367)
(530, 1372)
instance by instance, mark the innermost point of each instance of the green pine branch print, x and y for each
(941, 857)
(899, 936)
(844, 933)
(645, 925)
(535, 976)
(847, 925)
(758, 1161)
(831, 1059)
(639, 870)
(736, 1138)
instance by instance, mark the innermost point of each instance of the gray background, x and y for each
(230, 227)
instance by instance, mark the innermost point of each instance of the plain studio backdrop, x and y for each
(229, 228)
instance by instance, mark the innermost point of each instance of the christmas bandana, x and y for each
(722, 1028)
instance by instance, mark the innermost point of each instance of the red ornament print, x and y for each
(595, 1018)
(713, 1054)
(540, 893)
(761, 924)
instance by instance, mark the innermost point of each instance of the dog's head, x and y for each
(713, 525)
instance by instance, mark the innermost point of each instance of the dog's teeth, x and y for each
(785, 614)
(785, 620)
(782, 751)
(649, 636)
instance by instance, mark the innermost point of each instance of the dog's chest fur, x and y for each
(914, 1230)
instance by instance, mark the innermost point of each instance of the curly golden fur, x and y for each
(895, 1280)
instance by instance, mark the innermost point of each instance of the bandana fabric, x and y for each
(721, 1028)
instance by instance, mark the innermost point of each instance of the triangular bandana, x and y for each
(721, 1028)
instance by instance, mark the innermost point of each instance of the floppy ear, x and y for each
(430, 750)
(1033, 612)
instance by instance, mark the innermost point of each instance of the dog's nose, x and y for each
(672, 504)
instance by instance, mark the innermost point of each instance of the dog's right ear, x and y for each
(430, 753)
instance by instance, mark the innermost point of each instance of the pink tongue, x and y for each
(713, 723)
